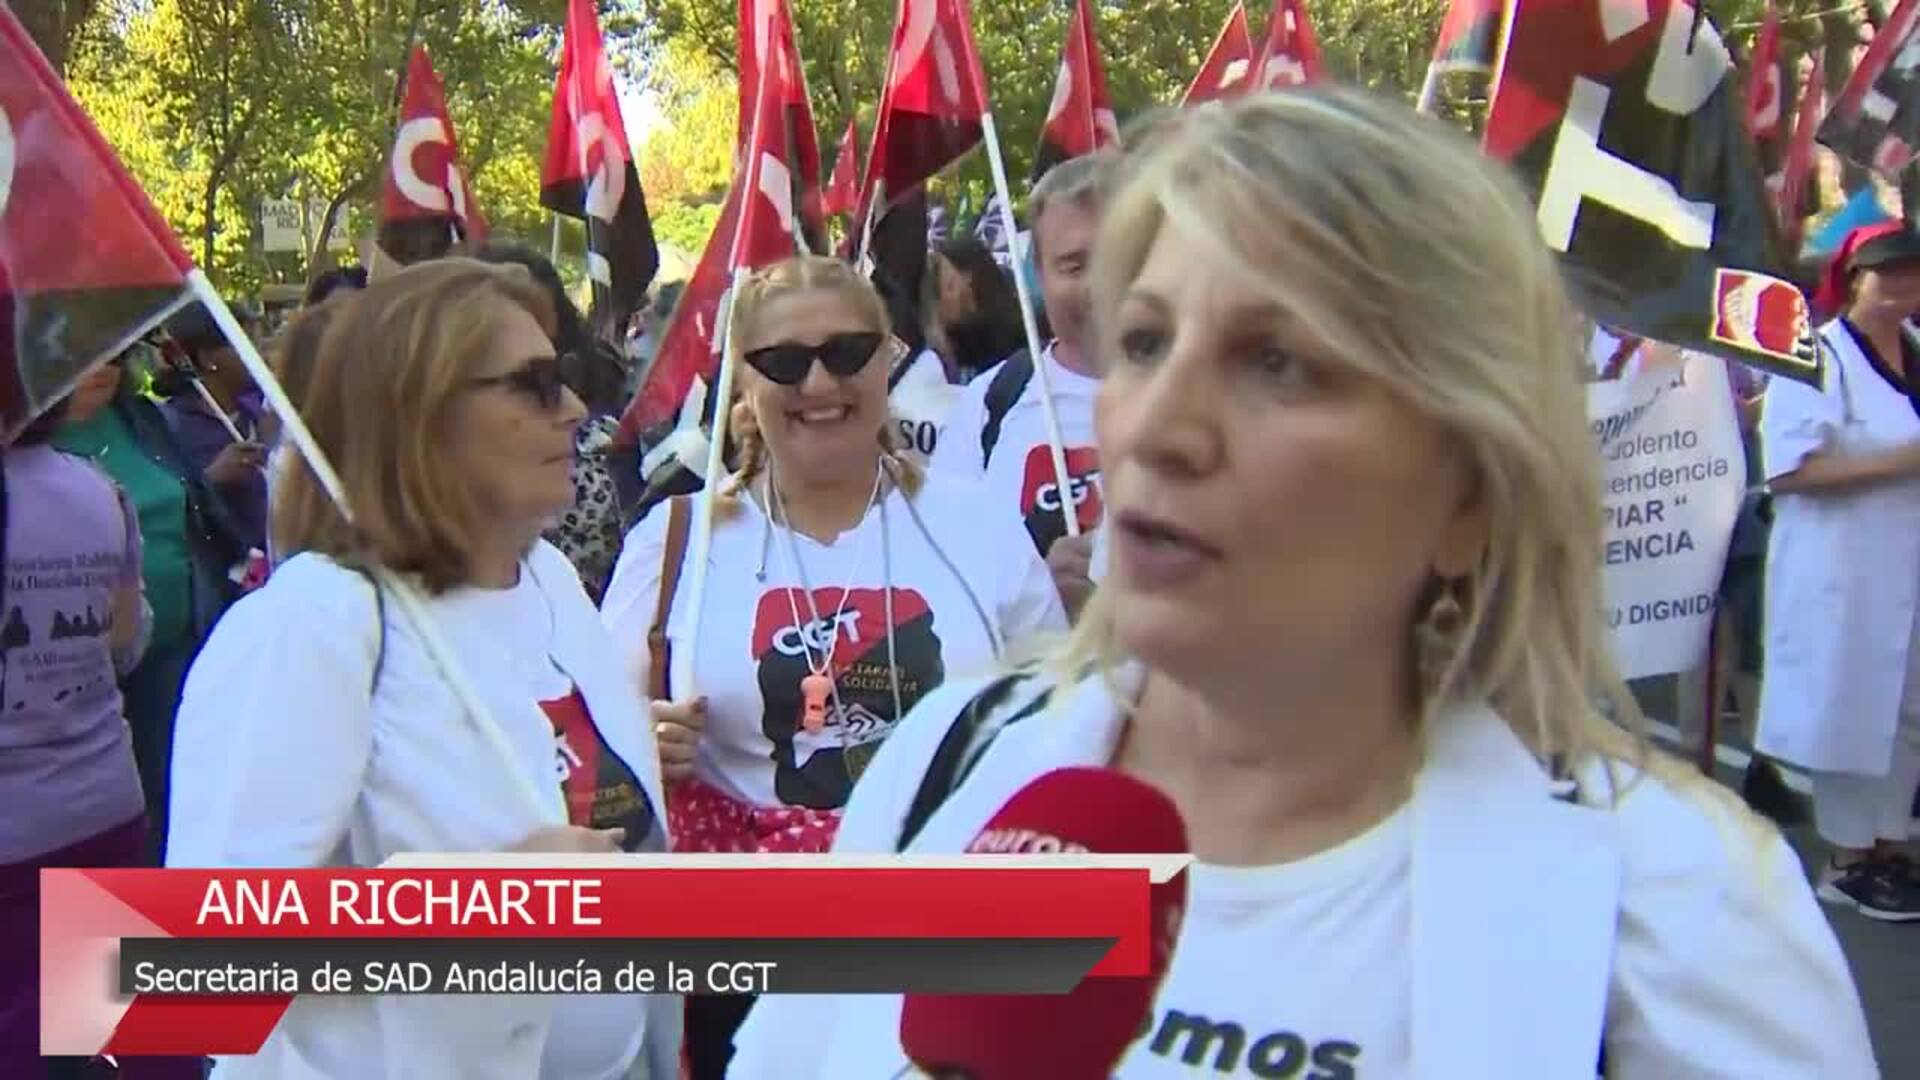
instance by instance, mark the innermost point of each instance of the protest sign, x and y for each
(1673, 477)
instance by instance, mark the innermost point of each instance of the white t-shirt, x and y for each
(1339, 918)
(752, 654)
(1019, 475)
(312, 733)
(921, 400)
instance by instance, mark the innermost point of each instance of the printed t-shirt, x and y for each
(160, 499)
(920, 402)
(753, 652)
(1341, 918)
(66, 759)
(1019, 477)
(592, 1035)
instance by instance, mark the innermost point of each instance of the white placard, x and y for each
(280, 225)
(340, 240)
(1674, 474)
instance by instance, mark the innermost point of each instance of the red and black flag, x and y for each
(86, 263)
(1799, 165)
(757, 226)
(428, 203)
(1290, 56)
(1081, 119)
(589, 173)
(1764, 81)
(768, 50)
(931, 106)
(1875, 122)
(1624, 120)
(843, 190)
(1468, 46)
(1228, 63)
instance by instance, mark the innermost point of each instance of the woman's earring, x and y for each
(1437, 636)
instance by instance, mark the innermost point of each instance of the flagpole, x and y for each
(554, 254)
(1055, 442)
(749, 184)
(402, 591)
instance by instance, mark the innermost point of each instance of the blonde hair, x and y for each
(800, 274)
(1417, 260)
(387, 369)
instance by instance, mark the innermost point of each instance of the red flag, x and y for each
(1763, 80)
(1227, 63)
(1081, 119)
(756, 227)
(843, 191)
(931, 106)
(86, 263)
(1290, 56)
(1624, 120)
(1875, 122)
(768, 50)
(767, 213)
(424, 177)
(1468, 46)
(689, 345)
(1799, 166)
(589, 172)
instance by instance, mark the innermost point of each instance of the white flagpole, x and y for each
(1055, 442)
(213, 406)
(551, 806)
(553, 255)
(749, 181)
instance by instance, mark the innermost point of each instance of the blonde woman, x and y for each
(841, 590)
(1353, 629)
(320, 728)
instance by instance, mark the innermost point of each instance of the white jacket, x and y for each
(1677, 927)
(282, 759)
(1843, 572)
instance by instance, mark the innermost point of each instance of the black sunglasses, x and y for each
(538, 379)
(843, 355)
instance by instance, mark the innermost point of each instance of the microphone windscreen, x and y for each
(1080, 1035)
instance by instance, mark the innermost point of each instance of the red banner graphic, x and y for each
(85, 914)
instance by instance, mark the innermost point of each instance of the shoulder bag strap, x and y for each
(951, 764)
(1009, 382)
(672, 558)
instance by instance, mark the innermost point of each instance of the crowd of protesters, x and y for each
(1330, 582)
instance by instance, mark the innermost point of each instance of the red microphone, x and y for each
(1083, 1034)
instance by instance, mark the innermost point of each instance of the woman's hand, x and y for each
(1071, 562)
(572, 840)
(236, 463)
(676, 727)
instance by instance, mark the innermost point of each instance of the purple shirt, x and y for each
(66, 760)
(202, 436)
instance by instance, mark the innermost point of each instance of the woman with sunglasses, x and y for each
(840, 590)
(321, 725)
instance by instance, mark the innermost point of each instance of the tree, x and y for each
(55, 25)
(219, 104)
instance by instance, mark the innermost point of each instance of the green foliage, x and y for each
(218, 104)
(686, 226)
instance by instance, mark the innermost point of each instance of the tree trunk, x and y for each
(53, 25)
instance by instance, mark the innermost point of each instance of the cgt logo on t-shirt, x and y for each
(1040, 503)
(601, 791)
(817, 769)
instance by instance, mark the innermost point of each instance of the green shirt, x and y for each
(160, 499)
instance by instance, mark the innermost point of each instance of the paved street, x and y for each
(1885, 957)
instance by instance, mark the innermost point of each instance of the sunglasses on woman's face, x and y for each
(843, 355)
(538, 380)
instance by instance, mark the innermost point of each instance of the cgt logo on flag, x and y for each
(1757, 313)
